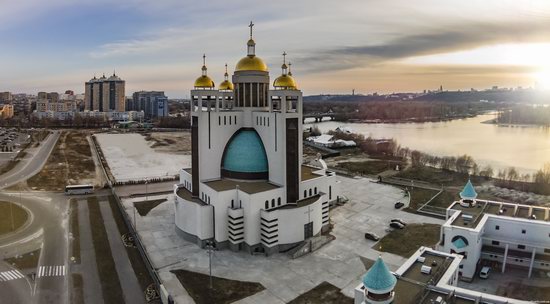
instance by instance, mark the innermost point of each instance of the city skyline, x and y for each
(365, 45)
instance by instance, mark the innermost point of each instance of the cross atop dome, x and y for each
(251, 25)
(289, 70)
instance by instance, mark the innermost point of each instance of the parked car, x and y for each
(484, 273)
(398, 205)
(400, 221)
(397, 225)
(372, 236)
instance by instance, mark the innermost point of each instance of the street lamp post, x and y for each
(11, 213)
(210, 247)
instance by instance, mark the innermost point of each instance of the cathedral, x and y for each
(248, 188)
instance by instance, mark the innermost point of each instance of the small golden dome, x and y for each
(204, 82)
(285, 82)
(226, 85)
(251, 63)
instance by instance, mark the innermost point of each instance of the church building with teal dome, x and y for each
(248, 187)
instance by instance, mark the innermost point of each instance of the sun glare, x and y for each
(542, 79)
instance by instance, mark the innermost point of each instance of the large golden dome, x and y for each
(285, 82)
(204, 82)
(251, 63)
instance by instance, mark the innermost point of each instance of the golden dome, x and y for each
(204, 82)
(251, 63)
(285, 82)
(226, 85)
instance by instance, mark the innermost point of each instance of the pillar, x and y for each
(532, 262)
(505, 258)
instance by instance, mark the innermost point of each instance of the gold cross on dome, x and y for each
(203, 59)
(284, 57)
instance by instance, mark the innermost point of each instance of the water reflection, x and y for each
(525, 147)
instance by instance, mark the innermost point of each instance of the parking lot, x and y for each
(10, 143)
(10, 139)
(513, 283)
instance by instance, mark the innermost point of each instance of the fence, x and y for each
(165, 297)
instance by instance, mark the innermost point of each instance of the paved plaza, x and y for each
(370, 207)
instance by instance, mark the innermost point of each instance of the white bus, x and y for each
(79, 189)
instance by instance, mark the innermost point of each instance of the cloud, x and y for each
(458, 37)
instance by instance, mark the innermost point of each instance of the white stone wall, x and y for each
(194, 219)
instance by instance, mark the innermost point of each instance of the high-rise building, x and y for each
(105, 94)
(5, 97)
(153, 103)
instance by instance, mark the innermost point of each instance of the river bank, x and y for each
(526, 149)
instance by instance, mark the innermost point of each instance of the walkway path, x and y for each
(88, 268)
(128, 280)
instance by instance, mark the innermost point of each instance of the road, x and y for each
(31, 166)
(48, 230)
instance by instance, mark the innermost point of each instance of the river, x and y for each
(527, 148)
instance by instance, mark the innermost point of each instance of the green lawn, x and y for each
(75, 230)
(28, 260)
(438, 177)
(137, 262)
(323, 293)
(406, 241)
(224, 291)
(20, 216)
(143, 207)
(369, 167)
(419, 197)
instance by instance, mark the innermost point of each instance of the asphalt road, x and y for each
(48, 230)
(32, 166)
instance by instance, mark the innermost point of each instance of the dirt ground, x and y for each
(71, 162)
(170, 142)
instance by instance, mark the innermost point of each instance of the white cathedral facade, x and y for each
(247, 188)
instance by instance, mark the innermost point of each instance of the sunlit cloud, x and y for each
(370, 45)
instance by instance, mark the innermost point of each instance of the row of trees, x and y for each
(520, 114)
(538, 182)
(397, 110)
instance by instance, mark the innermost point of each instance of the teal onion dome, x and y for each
(468, 193)
(379, 278)
(245, 157)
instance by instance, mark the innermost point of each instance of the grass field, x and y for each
(370, 167)
(20, 216)
(406, 241)
(71, 162)
(28, 260)
(143, 207)
(438, 177)
(419, 197)
(108, 276)
(224, 291)
(77, 294)
(75, 230)
(323, 293)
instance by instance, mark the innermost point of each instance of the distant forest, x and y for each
(426, 107)
(396, 111)
(525, 115)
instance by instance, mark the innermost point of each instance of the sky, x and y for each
(371, 46)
